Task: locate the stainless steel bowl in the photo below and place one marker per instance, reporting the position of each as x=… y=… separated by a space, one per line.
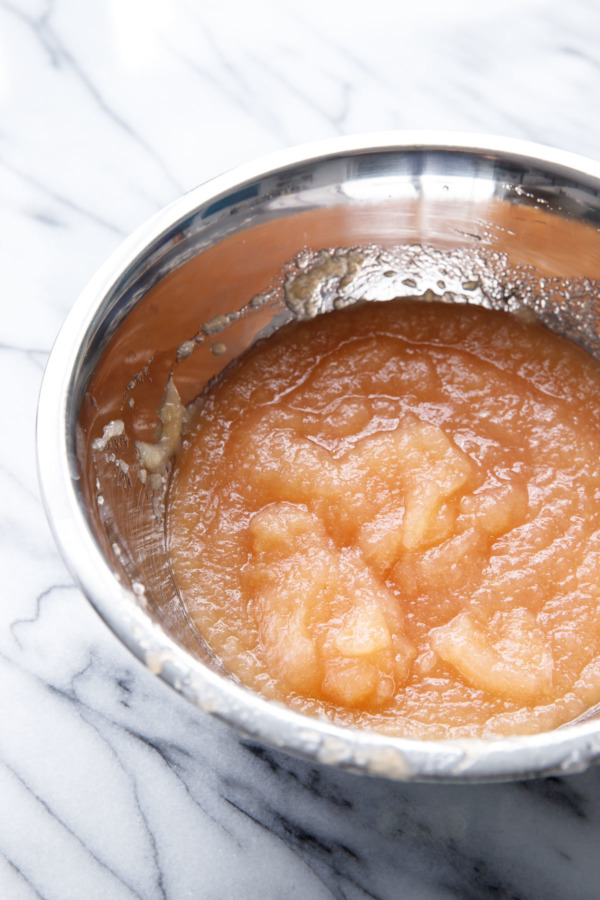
x=501 y=223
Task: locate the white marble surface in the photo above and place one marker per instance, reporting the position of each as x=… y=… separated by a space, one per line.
x=111 y=786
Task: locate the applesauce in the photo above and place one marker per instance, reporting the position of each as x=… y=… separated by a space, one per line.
x=388 y=516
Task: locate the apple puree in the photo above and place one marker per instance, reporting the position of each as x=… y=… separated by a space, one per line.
x=389 y=516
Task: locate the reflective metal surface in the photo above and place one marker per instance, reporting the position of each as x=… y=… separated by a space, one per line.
x=507 y=225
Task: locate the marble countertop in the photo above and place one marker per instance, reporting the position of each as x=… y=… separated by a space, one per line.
x=112 y=786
